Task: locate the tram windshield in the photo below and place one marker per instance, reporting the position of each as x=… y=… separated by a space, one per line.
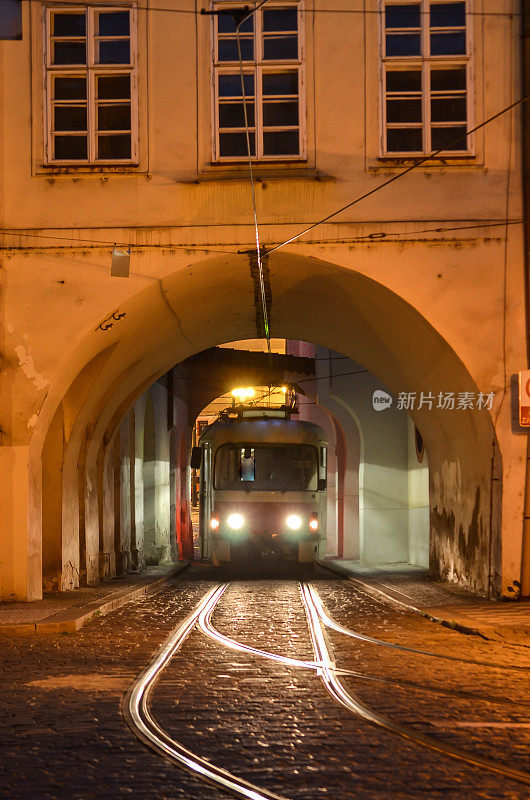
x=266 y=467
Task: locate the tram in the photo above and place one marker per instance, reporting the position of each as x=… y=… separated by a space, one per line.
x=262 y=486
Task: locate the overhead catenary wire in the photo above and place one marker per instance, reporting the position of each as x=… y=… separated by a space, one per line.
x=310 y=10
x=312 y=226
x=400 y=175
x=214 y=248
x=251 y=178
x=377 y=235
x=95 y=244
x=300 y=380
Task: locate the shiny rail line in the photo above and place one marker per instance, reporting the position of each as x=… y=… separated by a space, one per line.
x=317 y=622
x=325 y=667
x=208 y=628
x=363 y=589
x=145 y=727
x=336 y=626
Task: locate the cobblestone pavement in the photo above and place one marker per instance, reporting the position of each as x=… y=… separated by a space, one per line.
x=62 y=734
x=57 y=602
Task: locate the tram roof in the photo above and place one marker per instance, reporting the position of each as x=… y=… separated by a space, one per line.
x=256 y=430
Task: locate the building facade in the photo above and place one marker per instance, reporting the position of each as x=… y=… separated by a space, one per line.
x=124 y=126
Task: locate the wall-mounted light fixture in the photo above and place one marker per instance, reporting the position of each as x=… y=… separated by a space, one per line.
x=121 y=260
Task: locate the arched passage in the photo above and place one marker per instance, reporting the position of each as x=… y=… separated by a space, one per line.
x=213 y=302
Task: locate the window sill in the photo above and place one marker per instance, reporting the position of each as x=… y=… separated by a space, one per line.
x=260 y=173
x=439 y=162
x=88 y=169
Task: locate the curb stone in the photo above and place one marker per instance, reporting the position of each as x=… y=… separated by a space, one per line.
x=487 y=633
x=72 y=619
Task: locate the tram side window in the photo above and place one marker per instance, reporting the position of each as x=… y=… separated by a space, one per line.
x=226 y=474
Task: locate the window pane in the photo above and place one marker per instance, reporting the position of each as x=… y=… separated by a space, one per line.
x=270 y=467
x=403 y=16
x=228 y=51
x=280 y=48
x=281 y=143
x=70 y=147
x=69 y=88
x=448 y=15
x=406 y=81
x=114 y=23
x=404 y=141
x=280 y=113
x=235 y=144
x=403 y=110
x=231 y=115
x=448 y=109
x=248 y=465
x=444 y=138
x=230 y=85
x=69 y=25
x=11 y=20
x=113 y=87
x=114 y=52
x=280 y=83
x=114 y=147
x=403 y=44
x=280 y=19
x=447 y=44
x=114 y=118
x=69 y=53
x=227 y=24
x=70 y=118
x=444 y=79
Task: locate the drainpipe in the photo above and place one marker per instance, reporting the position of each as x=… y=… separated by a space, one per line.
x=525 y=55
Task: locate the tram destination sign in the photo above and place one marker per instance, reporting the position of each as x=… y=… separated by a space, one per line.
x=524 y=398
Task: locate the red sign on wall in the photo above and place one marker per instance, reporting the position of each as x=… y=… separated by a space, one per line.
x=524 y=399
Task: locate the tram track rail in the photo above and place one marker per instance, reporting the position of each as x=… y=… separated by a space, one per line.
x=332 y=623
x=136 y=705
x=206 y=625
x=139 y=718
x=346 y=698
x=387 y=598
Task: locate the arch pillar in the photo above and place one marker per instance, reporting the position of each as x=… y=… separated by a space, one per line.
x=137 y=544
x=54 y=571
x=21 y=514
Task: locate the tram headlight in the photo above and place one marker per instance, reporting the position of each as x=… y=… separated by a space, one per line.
x=214 y=523
x=235 y=521
x=313 y=524
x=293 y=522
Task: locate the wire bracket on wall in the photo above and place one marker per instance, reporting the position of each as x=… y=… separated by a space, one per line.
x=240 y=15
x=259 y=272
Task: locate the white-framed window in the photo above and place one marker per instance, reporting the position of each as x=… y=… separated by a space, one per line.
x=273 y=65
x=426 y=76
x=91 y=85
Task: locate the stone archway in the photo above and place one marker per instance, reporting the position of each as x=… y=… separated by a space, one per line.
x=213 y=302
